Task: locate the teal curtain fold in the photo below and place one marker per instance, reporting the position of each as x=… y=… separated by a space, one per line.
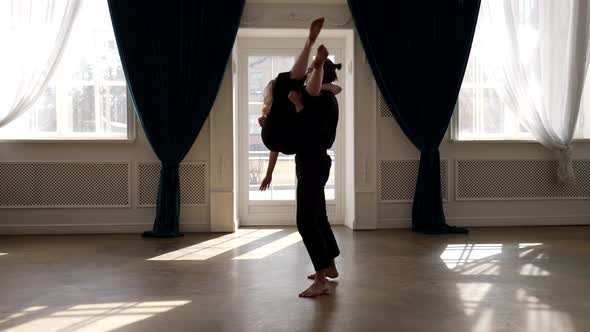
x=174 y=55
x=418 y=52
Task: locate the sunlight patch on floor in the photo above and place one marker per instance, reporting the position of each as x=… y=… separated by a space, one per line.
x=485 y=321
x=533 y=271
x=458 y=255
x=541 y=317
x=271 y=248
x=486 y=268
x=528 y=245
x=101 y=317
x=216 y=246
x=21 y=314
x=472 y=294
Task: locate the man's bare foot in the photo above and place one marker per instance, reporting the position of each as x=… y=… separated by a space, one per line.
x=318 y=288
x=331 y=273
x=315 y=28
x=321 y=56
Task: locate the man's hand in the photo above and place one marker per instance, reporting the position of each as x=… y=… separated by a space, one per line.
x=335 y=89
x=295 y=98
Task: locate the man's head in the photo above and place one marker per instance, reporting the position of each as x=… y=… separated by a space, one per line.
x=330 y=71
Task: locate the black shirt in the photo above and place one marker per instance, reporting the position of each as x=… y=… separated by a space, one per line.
x=318 y=122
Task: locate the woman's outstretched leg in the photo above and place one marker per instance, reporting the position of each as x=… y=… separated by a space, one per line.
x=299 y=69
x=314 y=83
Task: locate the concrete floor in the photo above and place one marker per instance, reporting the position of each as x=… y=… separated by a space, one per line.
x=495 y=279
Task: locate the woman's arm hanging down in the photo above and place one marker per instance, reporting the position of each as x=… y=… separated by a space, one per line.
x=272 y=161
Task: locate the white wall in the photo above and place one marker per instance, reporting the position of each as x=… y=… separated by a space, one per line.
x=393 y=145
x=86 y=220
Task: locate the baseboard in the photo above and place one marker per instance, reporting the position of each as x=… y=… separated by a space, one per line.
x=285 y=222
x=495 y=221
x=33 y=229
x=38 y=229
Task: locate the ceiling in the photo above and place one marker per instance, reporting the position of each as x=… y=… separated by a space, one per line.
x=299 y=2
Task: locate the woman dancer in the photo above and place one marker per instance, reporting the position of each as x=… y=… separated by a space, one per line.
x=279 y=129
x=272 y=160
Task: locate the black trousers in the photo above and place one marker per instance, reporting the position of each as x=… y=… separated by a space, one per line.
x=313 y=170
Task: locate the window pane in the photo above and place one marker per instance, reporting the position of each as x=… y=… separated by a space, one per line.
x=493 y=112
x=257 y=163
x=81 y=101
x=113 y=108
x=283 y=185
x=44 y=111
x=283 y=179
x=584 y=117
x=466 y=112
x=111 y=64
x=481 y=111
x=469 y=76
x=78 y=66
x=262 y=69
x=254 y=112
x=330 y=189
x=259 y=74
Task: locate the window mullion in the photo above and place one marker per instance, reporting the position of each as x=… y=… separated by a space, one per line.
x=479 y=116
x=96 y=82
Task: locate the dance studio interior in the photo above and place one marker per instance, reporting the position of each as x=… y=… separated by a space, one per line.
x=295 y=165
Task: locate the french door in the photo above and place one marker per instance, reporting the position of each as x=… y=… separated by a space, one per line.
x=261 y=60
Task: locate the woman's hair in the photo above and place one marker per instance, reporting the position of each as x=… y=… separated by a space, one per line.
x=267 y=98
x=330 y=71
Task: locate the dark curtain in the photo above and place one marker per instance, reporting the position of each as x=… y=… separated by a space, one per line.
x=418 y=51
x=174 y=55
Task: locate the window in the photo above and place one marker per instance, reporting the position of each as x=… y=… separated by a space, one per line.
x=481 y=113
x=87 y=96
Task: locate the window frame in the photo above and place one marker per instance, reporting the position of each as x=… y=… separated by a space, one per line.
x=86 y=138
x=497 y=138
x=62 y=115
x=454 y=135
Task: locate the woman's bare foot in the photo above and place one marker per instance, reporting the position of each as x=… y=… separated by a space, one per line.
x=320 y=57
x=331 y=272
x=315 y=28
x=316 y=289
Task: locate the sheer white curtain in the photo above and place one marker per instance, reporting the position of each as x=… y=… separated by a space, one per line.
x=544 y=47
x=33 y=35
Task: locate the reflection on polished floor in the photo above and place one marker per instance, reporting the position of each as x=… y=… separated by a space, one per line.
x=495 y=279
